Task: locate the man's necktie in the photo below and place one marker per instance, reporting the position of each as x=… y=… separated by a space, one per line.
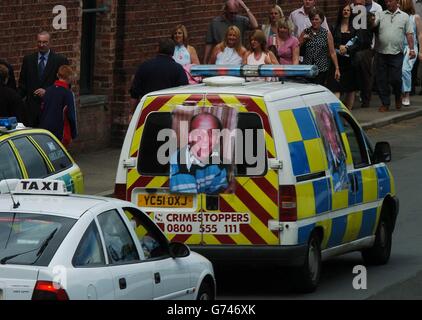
x=41 y=66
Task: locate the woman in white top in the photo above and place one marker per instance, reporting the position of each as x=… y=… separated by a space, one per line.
x=184 y=54
x=259 y=54
x=230 y=51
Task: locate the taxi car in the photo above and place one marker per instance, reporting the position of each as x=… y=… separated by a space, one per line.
x=309 y=186
x=60 y=246
x=36 y=153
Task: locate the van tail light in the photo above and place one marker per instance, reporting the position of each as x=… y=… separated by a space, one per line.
x=120 y=191
x=288 y=204
x=48 y=290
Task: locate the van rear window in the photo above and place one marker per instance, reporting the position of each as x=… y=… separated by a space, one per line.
x=253 y=160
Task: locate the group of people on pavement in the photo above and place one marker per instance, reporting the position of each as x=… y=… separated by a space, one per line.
x=368 y=38
x=371 y=46
x=42 y=98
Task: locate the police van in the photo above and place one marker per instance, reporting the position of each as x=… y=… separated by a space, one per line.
x=305 y=183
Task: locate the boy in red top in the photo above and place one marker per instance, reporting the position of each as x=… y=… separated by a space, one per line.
x=58 y=112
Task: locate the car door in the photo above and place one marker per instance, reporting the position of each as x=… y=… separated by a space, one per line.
x=90 y=277
x=9 y=166
x=171 y=276
x=34 y=165
x=132 y=276
x=63 y=166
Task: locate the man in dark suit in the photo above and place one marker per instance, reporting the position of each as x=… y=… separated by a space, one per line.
x=158 y=73
x=38 y=72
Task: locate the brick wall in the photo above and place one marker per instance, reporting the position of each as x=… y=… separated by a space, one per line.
x=126 y=35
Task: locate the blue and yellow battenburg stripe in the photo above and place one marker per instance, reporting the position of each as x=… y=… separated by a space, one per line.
x=317 y=198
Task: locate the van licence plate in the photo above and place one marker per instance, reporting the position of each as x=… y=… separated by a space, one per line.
x=165 y=200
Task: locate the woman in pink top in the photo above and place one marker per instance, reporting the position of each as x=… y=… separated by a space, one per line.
x=287 y=45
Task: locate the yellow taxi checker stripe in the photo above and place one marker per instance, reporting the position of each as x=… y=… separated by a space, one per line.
x=316 y=157
x=305 y=200
x=256 y=224
x=20 y=161
x=326 y=227
x=264 y=200
x=157 y=182
x=354 y=223
x=370 y=185
x=290 y=126
x=44 y=156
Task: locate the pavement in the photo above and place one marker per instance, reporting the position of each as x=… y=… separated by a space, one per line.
x=99 y=167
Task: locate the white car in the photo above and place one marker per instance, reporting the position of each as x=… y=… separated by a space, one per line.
x=56 y=245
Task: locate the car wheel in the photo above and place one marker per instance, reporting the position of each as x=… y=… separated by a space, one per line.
x=380 y=252
x=205 y=292
x=306 y=278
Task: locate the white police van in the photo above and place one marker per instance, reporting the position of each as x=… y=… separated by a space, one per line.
x=60 y=246
x=311 y=185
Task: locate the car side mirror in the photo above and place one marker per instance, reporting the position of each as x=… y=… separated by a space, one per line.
x=382 y=152
x=178 y=250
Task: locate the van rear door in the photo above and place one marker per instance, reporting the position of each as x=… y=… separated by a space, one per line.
x=245 y=215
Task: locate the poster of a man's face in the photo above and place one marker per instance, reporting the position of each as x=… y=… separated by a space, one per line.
x=204 y=160
x=333 y=146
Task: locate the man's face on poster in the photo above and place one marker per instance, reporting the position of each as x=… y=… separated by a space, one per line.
x=204 y=135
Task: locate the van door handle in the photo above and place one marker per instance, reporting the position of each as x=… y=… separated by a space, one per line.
x=352 y=180
x=122 y=283
x=356 y=183
x=157 y=277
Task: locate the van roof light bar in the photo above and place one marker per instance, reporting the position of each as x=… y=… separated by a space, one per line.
x=265 y=70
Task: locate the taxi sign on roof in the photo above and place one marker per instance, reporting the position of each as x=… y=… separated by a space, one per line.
x=41 y=186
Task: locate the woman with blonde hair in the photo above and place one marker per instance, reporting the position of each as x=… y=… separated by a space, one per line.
x=230 y=50
x=270 y=28
x=408 y=64
x=287 y=45
x=184 y=53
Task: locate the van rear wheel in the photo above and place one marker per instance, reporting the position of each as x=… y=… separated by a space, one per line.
x=379 y=254
x=306 y=277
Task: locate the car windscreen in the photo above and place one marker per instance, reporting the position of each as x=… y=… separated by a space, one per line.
x=31 y=239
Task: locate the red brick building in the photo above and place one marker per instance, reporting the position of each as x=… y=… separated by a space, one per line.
x=106 y=40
